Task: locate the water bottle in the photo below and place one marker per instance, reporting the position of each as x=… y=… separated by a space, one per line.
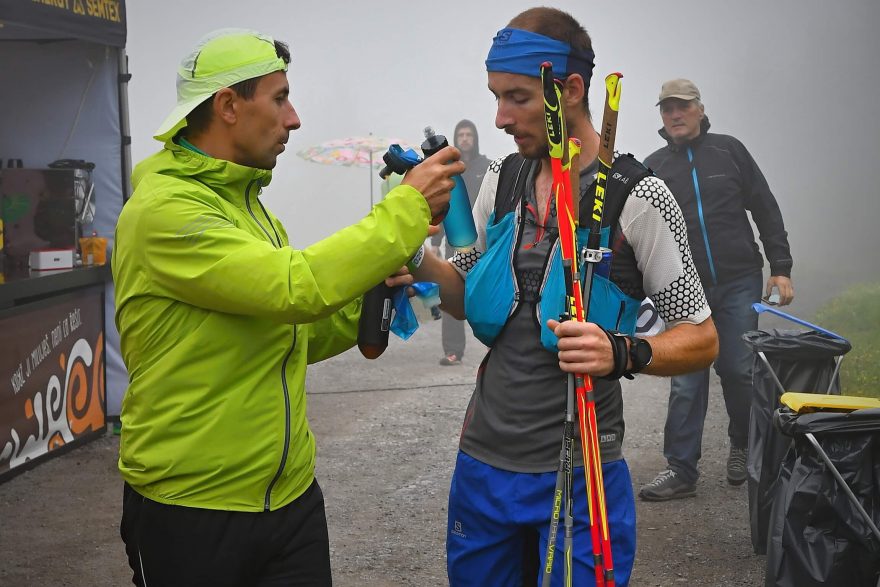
x=461 y=233
x=427 y=308
x=375 y=321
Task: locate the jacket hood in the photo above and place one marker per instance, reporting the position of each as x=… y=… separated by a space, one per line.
x=228 y=179
x=704 y=128
x=463 y=124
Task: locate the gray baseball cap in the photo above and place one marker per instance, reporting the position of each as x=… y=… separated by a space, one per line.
x=683 y=89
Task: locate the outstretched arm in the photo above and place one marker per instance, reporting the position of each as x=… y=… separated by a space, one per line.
x=435 y=269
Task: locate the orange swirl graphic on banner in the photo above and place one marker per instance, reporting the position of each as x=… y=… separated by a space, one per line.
x=85 y=403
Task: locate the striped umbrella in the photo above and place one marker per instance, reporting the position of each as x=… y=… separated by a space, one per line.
x=353 y=152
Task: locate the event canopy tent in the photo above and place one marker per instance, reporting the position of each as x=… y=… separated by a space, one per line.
x=63 y=87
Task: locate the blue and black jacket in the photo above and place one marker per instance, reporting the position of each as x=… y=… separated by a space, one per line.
x=716 y=181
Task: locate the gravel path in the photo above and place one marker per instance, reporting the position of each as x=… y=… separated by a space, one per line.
x=387 y=433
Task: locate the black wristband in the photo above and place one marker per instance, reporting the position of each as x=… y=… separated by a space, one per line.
x=640 y=354
x=621 y=355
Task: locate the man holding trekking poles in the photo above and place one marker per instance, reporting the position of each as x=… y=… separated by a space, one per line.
x=502 y=491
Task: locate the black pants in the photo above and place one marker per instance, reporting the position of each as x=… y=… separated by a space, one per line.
x=172 y=545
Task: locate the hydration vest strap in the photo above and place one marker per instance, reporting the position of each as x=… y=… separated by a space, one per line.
x=626 y=173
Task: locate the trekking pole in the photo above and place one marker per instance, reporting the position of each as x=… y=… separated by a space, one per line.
x=592 y=256
x=561 y=186
x=562 y=494
x=575 y=309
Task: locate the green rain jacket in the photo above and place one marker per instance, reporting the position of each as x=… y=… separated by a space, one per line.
x=218 y=317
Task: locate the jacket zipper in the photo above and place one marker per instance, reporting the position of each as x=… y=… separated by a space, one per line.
x=266 y=502
x=247 y=203
x=286 y=450
x=700 y=213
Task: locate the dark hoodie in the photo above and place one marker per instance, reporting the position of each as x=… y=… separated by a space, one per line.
x=715 y=181
x=473 y=175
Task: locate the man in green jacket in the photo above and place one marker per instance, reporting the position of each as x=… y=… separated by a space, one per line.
x=219 y=317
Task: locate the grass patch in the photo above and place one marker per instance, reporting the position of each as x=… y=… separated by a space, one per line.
x=855 y=314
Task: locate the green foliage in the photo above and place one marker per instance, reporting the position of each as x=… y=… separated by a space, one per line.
x=855 y=314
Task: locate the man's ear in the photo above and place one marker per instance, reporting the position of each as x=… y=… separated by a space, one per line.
x=573 y=90
x=224 y=105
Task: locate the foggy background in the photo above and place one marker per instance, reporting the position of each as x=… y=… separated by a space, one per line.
x=796 y=81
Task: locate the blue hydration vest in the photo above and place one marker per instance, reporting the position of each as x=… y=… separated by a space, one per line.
x=492 y=293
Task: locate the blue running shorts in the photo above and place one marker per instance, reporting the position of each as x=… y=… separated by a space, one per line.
x=492 y=510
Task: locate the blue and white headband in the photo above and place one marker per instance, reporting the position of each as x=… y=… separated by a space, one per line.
x=522 y=52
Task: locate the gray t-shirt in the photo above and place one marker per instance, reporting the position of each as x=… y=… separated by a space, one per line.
x=515 y=416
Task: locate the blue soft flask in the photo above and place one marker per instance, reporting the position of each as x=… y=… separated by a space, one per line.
x=461 y=233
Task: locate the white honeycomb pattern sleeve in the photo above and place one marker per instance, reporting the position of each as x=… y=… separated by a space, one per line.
x=464 y=261
x=653 y=225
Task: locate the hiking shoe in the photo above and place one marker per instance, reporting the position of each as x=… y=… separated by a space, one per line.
x=450 y=360
x=736 y=465
x=667 y=485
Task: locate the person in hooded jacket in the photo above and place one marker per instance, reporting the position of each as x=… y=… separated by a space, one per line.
x=716 y=183
x=467 y=140
x=218 y=318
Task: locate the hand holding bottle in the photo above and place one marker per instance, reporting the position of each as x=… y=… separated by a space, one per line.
x=433 y=177
x=377 y=313
x=461 y=234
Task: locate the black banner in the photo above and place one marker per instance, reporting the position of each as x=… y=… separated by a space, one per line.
x=100 y=21
x=51 y=376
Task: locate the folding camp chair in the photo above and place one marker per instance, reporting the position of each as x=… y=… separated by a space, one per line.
x=784 y=360
x=761 y=308
x=821 y=532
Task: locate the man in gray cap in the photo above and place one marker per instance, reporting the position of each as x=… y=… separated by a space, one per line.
x=716 y=181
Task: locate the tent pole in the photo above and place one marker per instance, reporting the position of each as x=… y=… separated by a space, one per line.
x=124 y=128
